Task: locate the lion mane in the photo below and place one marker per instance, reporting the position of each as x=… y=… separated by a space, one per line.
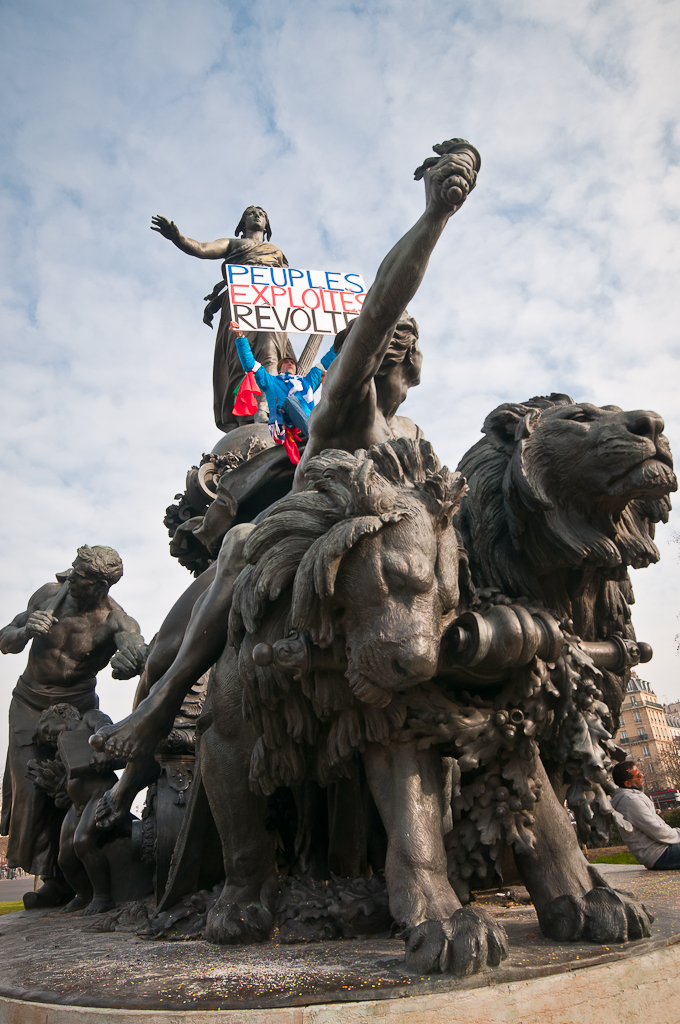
x=312 y=725
x=551 y=547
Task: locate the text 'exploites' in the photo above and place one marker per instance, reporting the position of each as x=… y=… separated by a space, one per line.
x=298 y=301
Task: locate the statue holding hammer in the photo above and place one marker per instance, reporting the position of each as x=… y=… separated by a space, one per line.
x=75 y=628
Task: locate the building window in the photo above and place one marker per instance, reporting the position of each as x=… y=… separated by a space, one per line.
x=645 y=750
x=633 y=698
x=637 y=716
x=624 y=734
x=641 y=732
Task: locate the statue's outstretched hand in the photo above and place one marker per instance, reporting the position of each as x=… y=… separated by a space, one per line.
x=167 y=228
x=39 y=623
x=450 y=178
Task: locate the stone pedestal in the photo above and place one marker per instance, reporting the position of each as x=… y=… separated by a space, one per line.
x=55 y=970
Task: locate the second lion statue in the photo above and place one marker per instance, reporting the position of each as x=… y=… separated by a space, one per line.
x=563 y=497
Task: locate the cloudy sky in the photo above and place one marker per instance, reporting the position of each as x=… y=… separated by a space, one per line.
x=560 y=273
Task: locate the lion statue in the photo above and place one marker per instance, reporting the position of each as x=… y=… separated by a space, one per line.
x=366 y=563
x=562 y=499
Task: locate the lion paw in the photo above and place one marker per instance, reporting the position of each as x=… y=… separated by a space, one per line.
x=466 y=943
x=237 y=924
x=602 y=915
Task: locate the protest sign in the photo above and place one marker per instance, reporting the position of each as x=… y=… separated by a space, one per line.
x=297 y=301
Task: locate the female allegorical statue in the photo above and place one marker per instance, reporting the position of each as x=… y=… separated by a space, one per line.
x=269 y=348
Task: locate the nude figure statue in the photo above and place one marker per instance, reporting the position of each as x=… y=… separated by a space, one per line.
x=75 y=628
x=82 y=860
x=379 y=361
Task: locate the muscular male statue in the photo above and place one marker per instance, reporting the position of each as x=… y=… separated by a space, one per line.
x=250 y=247
x=363 y=389
x=75 y=629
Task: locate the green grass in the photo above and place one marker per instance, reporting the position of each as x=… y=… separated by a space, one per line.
x=616 y=858
x=10 y=908
x=672 y=818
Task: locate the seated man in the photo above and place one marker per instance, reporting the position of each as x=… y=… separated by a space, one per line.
x=651 y=841
x=290 y=397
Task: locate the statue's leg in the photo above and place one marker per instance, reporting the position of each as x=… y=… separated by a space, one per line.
x=6 y=797
x=116 y=804
x=245 y=909
x=86 y=846
x=311 y=840
x=72 y=867
x=171 y=634
x=269 y=347
x=407 y=787
x=138 y=735
x=218 y=519
x=572 y=900
x=227 y=371
x=347 y=846
x=35 y=821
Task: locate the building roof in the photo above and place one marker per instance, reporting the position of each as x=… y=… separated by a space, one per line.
x=637 y=684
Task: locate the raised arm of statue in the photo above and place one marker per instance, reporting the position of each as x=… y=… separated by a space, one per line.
x=216 y=250
x=447 y=184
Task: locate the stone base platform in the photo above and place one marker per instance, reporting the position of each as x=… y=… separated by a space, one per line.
x=53 y=970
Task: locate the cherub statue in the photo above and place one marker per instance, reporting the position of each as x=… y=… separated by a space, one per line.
x=76 y=779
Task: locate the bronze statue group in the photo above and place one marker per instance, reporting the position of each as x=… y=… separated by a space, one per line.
x=410 y=669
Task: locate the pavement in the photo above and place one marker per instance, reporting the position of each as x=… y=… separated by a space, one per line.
x=48 y=956
x=12 y=889
x=613 y=869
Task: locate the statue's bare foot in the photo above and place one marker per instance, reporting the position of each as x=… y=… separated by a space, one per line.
x=52 y=893
x=601 y=915
x=137 y=735
x=113 y=808
x=241 y=916
x=99 y=905
x=77 y=903
x=466 y=943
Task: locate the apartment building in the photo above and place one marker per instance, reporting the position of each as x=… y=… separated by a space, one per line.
x=673 y=721
x=646 y=732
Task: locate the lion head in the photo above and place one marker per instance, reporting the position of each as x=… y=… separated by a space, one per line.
x=366 y=563
x=563 y=497
x=370 y=555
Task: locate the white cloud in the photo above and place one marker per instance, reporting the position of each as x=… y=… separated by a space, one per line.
x=559 y=274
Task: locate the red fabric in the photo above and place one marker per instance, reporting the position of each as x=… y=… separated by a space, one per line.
x=246 y=397
x=291 y=438
x=293 y=435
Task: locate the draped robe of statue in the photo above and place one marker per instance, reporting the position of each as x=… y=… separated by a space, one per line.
x=268 y=346
x=29 y=816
